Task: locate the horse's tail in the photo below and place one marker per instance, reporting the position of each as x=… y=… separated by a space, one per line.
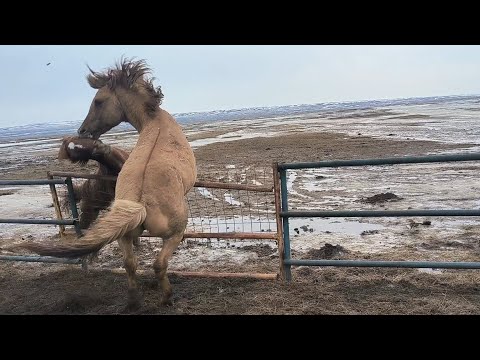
x=123 y=216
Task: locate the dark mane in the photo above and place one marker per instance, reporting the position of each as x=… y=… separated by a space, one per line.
x=127 y=73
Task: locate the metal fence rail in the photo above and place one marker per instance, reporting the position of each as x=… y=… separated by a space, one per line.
x=32 y=182
x=52 y=182
x=285 y=214
x=61 y=222
x=44 y=259
x=37 y=221
x=384 y=161
x=379 y=213
x=396 y=264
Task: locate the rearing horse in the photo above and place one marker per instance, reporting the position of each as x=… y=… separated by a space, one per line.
x=151 y=187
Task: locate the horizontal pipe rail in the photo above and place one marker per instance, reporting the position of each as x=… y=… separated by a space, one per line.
x=37 y=221
x=81 y=175
x=207 y=184
x=378 y=213
x=32 y=182
x=207 y=274
x=384 y=161
x=230 y=235
x=260 y=235
x=397 y=264
x=45 y=259
x=219 y=185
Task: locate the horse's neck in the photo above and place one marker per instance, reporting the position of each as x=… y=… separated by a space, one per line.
x=105 y=170
x=113 y=160
x=163 y=122
x=133 y=108
x=138 y=117
x=144 y=123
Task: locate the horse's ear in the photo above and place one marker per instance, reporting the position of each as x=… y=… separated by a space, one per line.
x=97 y=80
x=63 y=153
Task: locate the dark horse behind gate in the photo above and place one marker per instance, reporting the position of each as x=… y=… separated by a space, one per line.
x=93 y=195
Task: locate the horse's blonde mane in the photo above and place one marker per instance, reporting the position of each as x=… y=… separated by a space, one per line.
x=128 y=73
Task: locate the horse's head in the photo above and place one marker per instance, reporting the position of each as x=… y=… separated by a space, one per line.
x=121 y=92
x=105 y=113
x=80 y=150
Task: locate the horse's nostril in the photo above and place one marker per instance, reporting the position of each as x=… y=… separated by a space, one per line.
x=84 y=133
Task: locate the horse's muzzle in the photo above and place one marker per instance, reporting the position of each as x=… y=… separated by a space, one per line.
x=83 y=134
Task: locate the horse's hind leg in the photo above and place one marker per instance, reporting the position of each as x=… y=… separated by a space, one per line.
x=130 y=264
x=136 y=241
x=161 y=263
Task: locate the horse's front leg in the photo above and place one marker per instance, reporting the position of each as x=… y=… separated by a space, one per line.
x=130 y=263
x=108 y=156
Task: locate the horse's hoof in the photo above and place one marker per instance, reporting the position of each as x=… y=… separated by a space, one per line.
x=167 y=302
x=132 y=306
x=150 y=284
x=134 y=300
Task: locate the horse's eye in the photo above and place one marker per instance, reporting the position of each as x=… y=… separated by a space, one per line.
x=98 y=102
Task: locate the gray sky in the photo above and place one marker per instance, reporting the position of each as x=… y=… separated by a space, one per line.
x=203 y=78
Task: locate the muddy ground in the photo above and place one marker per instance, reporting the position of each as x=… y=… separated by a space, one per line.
x=56 y=290
x=31 y=288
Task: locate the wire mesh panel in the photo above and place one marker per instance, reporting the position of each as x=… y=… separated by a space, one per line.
x=218 y=210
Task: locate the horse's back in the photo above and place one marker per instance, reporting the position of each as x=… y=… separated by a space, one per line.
x=161 y=162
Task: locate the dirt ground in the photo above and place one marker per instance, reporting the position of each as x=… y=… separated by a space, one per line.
x=313 y=291
x=32 y=288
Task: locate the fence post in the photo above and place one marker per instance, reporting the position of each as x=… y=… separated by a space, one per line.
x=56 y=205
x=278 y=218
x=286 y=229
x=73 y=205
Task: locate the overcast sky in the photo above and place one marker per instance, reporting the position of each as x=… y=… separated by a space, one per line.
x=214 y=77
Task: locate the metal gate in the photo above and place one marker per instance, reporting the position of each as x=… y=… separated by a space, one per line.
x=285 y=214
x=59 y=221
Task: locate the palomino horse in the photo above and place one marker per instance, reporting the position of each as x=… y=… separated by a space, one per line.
x=94 y=195
x=151 y=187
